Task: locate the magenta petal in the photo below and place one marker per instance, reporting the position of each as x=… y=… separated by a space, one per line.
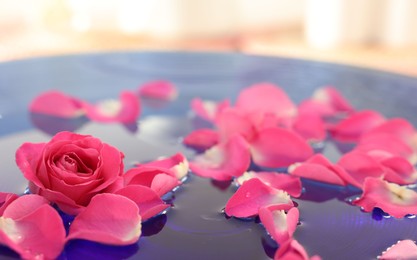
x=360 y=166
x=278 y=224
x=108 y=219
x=266 y=98
x=208 y=110
x=333 y=98
x=404 y=249
x=311 y=127
x=163 y=90
x=351 y=128
x=402 y=171
x=319 y=168
x=125 y=110
x=5 y=200
x=55 y=103
x=202 y=139
x=395 y=200
x=252 y=195
x=232 y=121
x=27 y=159
x=281 y=181
x=292 y=250
x=32 y=228
x=223 y=161
x=177 y=163
x=278 y=147
x=148 y=201
x=395 y=126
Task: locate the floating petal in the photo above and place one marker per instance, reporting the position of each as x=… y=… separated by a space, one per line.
x=177 y=163
x=278 y=224
x=404 y=249
x=202 y=139
x=55 y=103
x=163 y=90
x=292 y=250
x=208 y=110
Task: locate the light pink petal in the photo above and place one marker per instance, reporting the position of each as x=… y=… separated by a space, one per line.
x=395 y=126
x=202 y=139
x=163 y=90
x=278 y=224
x=208 y=110
x=252 y=195
x=316 y=108
x=281 y=181
x=386 y=142
x=108 y=219
x=403 y=172
x=395 y=200
x=148 y=201
x=223 y=161
x=36 y=232
x=266 y=98
x=404 y=249
x=55 y=103
x=125 y=110
x=232 y=121
x=311 y=127
x=333 y=98
x=319 y=168
x=278 y=147
x=292 y=250
x=177 y=163
x=359 y=166
x=351 y=128
x=161 y=180
x=5 y=200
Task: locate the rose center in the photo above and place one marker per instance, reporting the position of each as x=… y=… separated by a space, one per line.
x=68 y=163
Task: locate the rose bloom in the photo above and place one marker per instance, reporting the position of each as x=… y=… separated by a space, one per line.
x=71 y=169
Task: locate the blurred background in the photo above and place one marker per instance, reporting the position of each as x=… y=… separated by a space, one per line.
x=380 y=34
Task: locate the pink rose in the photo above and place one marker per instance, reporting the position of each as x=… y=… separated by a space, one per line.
x=71 y=169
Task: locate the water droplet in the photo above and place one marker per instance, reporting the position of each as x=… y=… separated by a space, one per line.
x=27 y=191
x=410 y=216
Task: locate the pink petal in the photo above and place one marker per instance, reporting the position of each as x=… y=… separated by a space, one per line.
x=359 y=166
x=125 y=110
x=232 y=121
x=278 y=147
x=311 y=127
x=333 y=98
x=223 y=161
x=278 y=224
x=32 y=228
x=252 y=195
x=55 y=103
x=208 y=110
x=395 y=200
x=319 y=168
x=404 y=249
x=292 y=250
x=160 y=180
x=109 y=219
x=5 y=200
x=395 y=126
x=177 y=163
x=202 y=139
x=148 y=201
x=281 y=181
x=314 y=107
x=266 y=98
x=403 y=172
x=27 y=158
x=351 y=128
x=163 y=90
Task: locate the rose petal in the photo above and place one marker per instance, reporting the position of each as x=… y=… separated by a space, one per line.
x=359 y=166
x=163 y=90
x=281 y=181
x=252 y=195
x=404 y=249
x=278 y=147
x=232 y=121
x=292 y=250
x=109 y=219
x=280 y=225
x=403 y=172
x=27 y=157
x=32 y=228
x=395 y=126
x=311 y=127
x=351 y=128
x=319 y=168
x=125 y=110
x=202 y=139
x=160 y=180
x=57 y=104
x=332 y=98
x=395 y=200
x=223 y=161
x=208 y=110
x=177 y=163
x=147 y=200
x=266 y=98
x=5 y=200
